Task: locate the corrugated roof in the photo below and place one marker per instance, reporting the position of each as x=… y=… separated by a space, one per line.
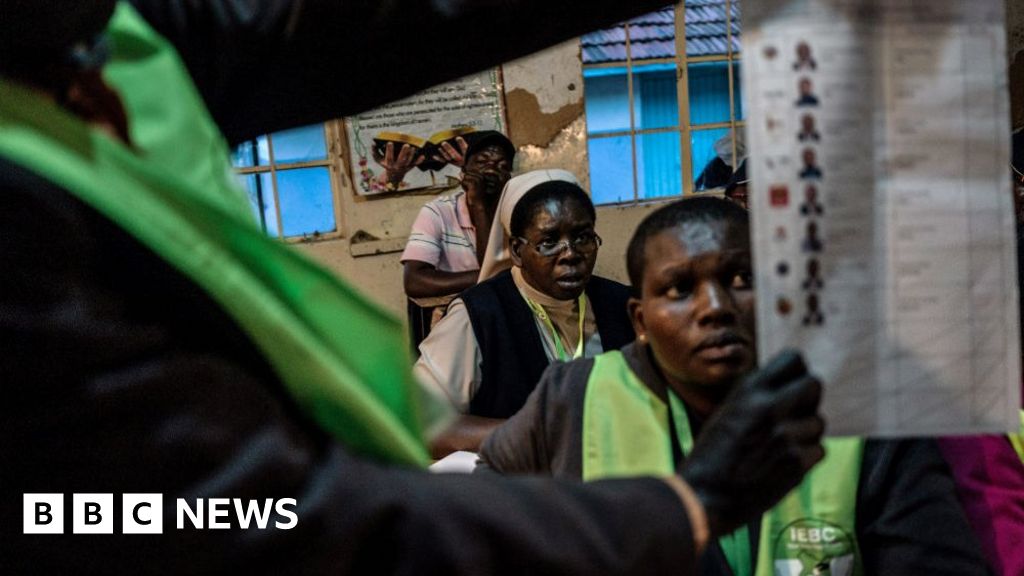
x=653 y=35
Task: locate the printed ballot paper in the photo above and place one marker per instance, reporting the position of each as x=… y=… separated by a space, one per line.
x=883 y=224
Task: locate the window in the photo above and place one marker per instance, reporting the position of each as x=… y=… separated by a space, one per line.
x=289 y=180
x=663 y=102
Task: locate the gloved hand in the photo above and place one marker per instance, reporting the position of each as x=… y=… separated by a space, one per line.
x=758 y=445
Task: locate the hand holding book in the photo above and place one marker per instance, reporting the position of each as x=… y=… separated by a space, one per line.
x=396 y=166
x=449 y=154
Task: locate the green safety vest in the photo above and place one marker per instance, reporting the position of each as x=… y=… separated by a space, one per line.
x=342 y=358
x=810 y=531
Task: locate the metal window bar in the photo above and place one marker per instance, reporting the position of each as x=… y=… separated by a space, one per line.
x=273 y=180
x=685 y=128
x=273 y=167
x=632 y=111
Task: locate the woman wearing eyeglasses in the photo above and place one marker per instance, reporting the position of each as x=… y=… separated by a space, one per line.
x=538 y=302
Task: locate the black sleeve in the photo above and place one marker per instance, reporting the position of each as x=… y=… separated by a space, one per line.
x=544 y=437
x=119 y=376
x=266 y=65
x=908 y=517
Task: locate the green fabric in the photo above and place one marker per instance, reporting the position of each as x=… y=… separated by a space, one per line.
x=1018 y=439
x=342 y=358
x=626 y=433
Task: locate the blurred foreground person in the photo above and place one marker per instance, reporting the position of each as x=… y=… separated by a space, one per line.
x=155 y=341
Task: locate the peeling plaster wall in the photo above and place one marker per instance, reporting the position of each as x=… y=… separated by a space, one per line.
x=544 y=105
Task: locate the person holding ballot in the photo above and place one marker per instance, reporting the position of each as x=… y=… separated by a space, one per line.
x=157 y=342
x=869 y=507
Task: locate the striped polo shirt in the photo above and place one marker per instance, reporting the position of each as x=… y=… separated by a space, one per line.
x=443 y=235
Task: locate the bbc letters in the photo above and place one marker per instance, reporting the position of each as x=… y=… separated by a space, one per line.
x=45 y=513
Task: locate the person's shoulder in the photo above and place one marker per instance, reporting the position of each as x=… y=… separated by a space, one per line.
x=488 y=303
x=563 y=385
x=456 y=309
x=488 y=286
x=444 y=206
x=446 y=201
x=573 y=369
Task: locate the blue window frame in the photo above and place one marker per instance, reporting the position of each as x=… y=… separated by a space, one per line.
x=288 y=179
x=662 y=97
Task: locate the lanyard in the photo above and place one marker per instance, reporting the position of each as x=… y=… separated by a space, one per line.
x=735 y=546
x=539 y=311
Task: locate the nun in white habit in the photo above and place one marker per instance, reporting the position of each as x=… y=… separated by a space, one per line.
x=451 y=361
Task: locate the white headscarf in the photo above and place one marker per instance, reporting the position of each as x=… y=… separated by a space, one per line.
x=497 y=258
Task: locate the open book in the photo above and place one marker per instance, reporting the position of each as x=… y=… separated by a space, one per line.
x=428 y=148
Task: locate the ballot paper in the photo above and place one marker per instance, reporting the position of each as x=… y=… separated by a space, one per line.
x=883 y=227
x=459 y=462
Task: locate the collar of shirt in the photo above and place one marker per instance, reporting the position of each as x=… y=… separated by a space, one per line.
x=564 y=314
x=462 y=214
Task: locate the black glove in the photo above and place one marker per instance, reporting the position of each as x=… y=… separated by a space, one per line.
x=758 y=445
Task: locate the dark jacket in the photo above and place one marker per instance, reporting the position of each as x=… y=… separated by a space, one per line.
x=512 y=354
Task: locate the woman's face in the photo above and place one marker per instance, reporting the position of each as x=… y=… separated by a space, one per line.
x=697 y=304
x=565 y=274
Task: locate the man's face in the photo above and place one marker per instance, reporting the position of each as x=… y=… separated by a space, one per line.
x=489 y=169
x=564 y=275
x=805 y=87
x=807 y=122
x=696 y=309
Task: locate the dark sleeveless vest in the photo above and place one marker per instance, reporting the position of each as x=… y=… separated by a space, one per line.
x=511 y=349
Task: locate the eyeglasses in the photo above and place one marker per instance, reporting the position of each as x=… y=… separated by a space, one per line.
x=584 y=244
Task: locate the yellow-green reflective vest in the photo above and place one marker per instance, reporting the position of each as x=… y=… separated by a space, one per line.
x=342 y=358
x=810 y=531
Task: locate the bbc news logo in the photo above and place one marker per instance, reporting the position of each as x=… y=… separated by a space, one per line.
x=143 y=513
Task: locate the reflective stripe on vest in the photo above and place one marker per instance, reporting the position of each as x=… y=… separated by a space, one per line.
x=342 y=358
x=626 y=433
